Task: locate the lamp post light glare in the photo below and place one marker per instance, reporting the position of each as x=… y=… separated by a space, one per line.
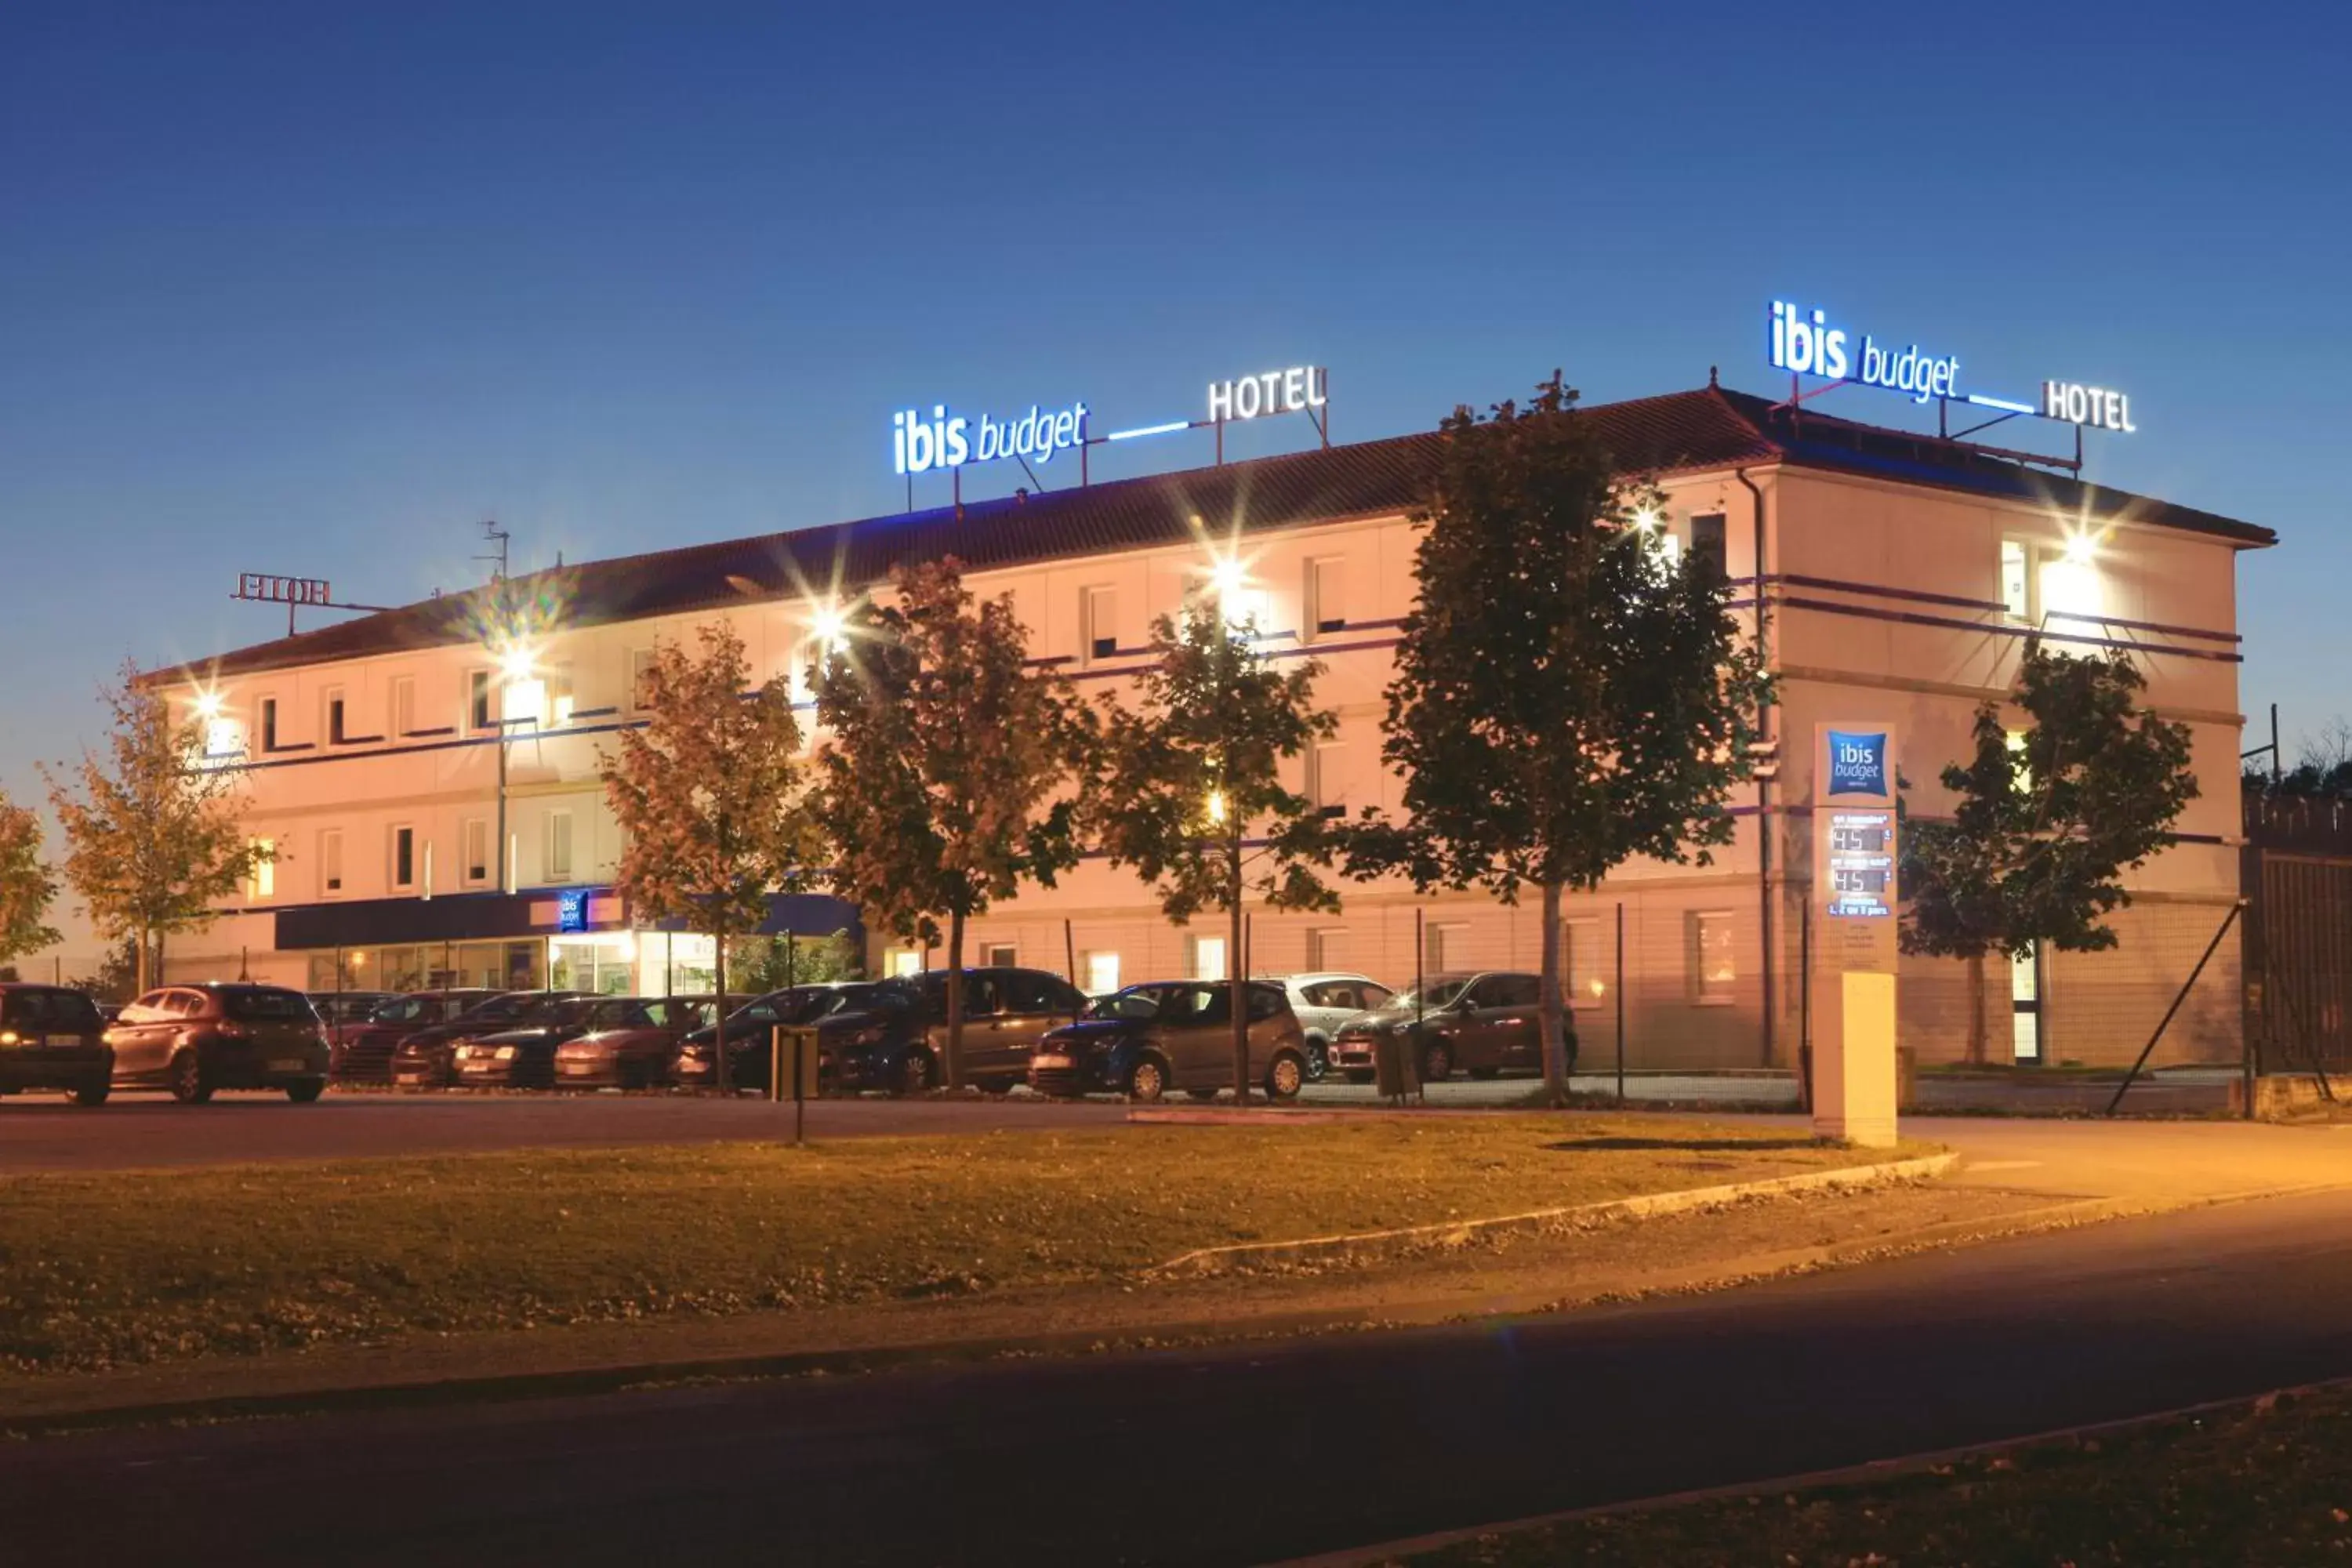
x=2081 y=549
x=1217 y=806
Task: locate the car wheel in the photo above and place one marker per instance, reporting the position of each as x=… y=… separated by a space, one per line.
x=1285 y=1077
x=1436 y=1062
x=187 y=1080
x=1318 y=1060
x=1147 y=1080
x=1357 y=1075
x=305 y=1094
x=916 y=1074
x=93 y=1092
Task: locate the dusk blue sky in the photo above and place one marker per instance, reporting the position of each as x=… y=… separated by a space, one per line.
x=312 y=288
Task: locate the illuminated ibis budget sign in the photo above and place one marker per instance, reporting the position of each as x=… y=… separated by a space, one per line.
x=1808 y=341
x=947 y=441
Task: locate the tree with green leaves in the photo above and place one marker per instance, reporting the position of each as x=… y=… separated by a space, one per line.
x=950 y=766
x=153 y=834
x=27 y=886
x=1568 y=696
x=712 y=796
x=2048 y=820
x=1193 y=769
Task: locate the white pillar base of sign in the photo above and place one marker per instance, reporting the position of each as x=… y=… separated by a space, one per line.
x=1853 y=1058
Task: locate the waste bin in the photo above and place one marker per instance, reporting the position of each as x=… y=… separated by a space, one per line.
x=1396 y=1071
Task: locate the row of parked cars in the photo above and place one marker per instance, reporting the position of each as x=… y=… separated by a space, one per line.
x=1021 y=1026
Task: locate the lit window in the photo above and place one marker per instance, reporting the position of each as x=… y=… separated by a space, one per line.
x=263 y=883
x=1208 y=958
x=1714 y=967
x=1102 y=974
x=2016 y=579
x=904 y=961
x=559 y=695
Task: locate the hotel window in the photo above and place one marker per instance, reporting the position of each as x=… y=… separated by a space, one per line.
x=478 y=701
x=263 y=881
x=1706 y=542
x=1445 y=948
x=903 y=961
x=1326 y=607
x=404 y=706
x=558 y=867
x=478 y=851
x=559 y=701
x=1327 y=948
x=1714 y=968
x=1208 y=957
x=1099 y=623
x=2016 y=579
x=999 y=955
x=1327 y=777
x=404 y=857
x=1582 y=984
x=1102 y=974
x=333 y=723
x=641 y=679
x=330 y=862
x=268 y=724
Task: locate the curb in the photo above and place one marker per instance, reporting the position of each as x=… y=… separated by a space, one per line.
x=1864 y=1473
x=1214 y=1259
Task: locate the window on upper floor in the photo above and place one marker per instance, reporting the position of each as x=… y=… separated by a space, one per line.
x=1329 y=778
x=332 y=717
x=2017 y=596
x=404 y=706
x=1323 y=607
x=403 y=857
x=1097 y=624
x=267 y=724
x=1707 y=544
x=557 y=865
x=262 y=882
x=478 y=716
x=478 y=851
x=641 y=680
x=330 y=862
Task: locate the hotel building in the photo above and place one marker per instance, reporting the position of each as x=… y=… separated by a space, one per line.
x=437 y=816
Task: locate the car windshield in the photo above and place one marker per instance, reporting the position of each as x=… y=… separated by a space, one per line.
x=1135 y=1002
x=1441 y=994
x=267 y=1007
x=404 y=1010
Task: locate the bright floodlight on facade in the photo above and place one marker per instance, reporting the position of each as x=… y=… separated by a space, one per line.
x=515 y=662
x=1647 y=520
x=1228 y=576
x=208 y=706
x=2081 y=549
x=828 y=625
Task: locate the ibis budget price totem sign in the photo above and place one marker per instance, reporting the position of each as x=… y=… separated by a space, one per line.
x=1855 y=861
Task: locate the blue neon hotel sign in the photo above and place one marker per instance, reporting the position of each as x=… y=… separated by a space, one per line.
x=1805 y=343
x=1857 y=763
x=920 y=445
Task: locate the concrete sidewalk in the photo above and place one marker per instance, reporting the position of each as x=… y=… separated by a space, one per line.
x=2156 y=1163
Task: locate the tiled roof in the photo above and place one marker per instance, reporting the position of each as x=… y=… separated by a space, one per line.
x=1713 y=427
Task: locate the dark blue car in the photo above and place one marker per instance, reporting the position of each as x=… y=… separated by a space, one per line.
x=1174 y=1034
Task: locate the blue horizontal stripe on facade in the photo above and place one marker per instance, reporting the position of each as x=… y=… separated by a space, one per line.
x=499 y=917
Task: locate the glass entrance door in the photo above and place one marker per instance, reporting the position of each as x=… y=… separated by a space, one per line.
x=2025 y=1006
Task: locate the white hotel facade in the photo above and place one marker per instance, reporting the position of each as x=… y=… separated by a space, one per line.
x=437 y=816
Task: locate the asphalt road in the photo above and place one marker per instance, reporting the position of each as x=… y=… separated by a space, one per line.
x=1249 y=1454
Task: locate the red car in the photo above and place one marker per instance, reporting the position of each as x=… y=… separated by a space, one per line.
x=635 y=1051
x=361 y=1052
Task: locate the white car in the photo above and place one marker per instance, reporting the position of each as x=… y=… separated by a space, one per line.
x=1324 y=1001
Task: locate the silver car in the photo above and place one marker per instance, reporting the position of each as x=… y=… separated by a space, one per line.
x=1324 y=1000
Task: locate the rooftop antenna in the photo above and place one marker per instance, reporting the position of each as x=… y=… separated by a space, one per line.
x=498 y=536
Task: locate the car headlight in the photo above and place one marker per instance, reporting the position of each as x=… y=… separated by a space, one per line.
x=506 y=1053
